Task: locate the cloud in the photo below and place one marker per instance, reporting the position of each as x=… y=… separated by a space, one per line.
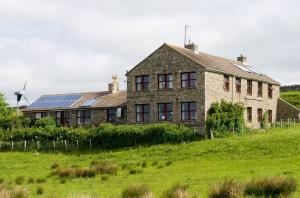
x=74 y=46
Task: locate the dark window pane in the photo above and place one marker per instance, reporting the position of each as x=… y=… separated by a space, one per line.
x=193 y=75
x=184 y=106
x=185 y=84
x=193 y=106
x=169 y=107
x=193 y=83
x=146 y=108
x=184 y=76
x=193 y=115
x=185 y=115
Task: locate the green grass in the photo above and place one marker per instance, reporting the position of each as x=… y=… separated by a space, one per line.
x=198 y=164
x=292 y=97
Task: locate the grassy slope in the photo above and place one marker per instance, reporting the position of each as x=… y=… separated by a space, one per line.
x=292 y=97
x=198 y=164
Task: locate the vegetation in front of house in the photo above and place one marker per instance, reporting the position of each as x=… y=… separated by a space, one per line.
x=104 y=136
x=200 y=165
x=225 y=117
x=292 y=97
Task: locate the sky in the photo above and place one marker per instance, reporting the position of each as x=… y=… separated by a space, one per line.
x=67 y=46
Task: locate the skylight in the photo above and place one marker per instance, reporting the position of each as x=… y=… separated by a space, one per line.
x=247 y=69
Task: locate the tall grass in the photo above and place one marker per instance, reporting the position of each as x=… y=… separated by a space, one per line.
x=176 y=191
x=136 y=191
x=229 y=188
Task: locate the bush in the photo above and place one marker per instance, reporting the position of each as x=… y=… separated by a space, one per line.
x=135 y=171
x=45 y=122
x=40 y=180
x=20 y=180
x=176 y=191
x=168 y=163
x=144 y=164
x=229 y=188
x=225 y=116
x=1 y=180
x=19 y=193
x=55 y=165
x=136 y=191
x=271 y=186
x=104 y=177
x=31 y=180
x=40 y=190
x=106 y=167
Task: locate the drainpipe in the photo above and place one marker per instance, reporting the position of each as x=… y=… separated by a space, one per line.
x=232 y=88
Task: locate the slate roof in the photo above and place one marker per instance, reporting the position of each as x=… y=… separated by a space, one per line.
x=218 y=64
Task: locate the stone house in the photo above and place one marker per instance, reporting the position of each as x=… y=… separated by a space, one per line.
x=173 y=84
x=178 y=85
x=82 y=109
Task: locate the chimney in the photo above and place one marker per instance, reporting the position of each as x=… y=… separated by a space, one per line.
x=192 y=46
x=242 y=59
x=113 y=87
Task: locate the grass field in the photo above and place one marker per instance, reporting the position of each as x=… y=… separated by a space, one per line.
x=197 y=164
x=292 y=97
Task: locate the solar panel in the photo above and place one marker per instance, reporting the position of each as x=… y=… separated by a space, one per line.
x=55 y=101
x=254 y=70
x=242 y=67
x=89 y=103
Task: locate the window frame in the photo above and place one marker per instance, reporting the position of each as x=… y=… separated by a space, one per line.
x=189 y=80
x=87 y=120
x=259 y=114
x=189 y=111
x=143 y=113
x=145 y=85
x=63 y=119
x=260 y=89
x=226 y=81
x=114 y=115
x=270 y=91
x=165 y=81
x=270 y=115
x=249 y=114
x=238 y=86
x=165 y=111
x=249 y=87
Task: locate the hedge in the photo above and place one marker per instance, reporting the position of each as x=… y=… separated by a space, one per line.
x=106 y=135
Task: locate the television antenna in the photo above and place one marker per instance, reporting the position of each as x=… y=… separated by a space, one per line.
x=185 y=33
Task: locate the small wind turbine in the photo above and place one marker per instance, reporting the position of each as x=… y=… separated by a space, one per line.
x=19 y=95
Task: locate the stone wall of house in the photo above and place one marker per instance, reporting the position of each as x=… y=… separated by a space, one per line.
x=165 y=61
x=214 y=92
x=287 y=111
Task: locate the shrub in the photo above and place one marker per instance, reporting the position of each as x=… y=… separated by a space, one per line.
x=45 y=122
x=176 y=191
x=229 y=188
x=62 y=180
x=104 y=177
x=66 y=172
x=20 y=180
x=271 y=186
x=40 y=190
x=135 y=171
x=31 y=180
x=55 y=165
x=1 y=180
x=40 y=180
x=19 y=193
x=154 y=163
x=160 y=166
x=144 y=164
x=225 y=116
x=106 y=167
x=168 y=163
x=136 y=191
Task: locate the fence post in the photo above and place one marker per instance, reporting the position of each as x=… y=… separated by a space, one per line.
x=66 y=145
x=288 y=122
x=38 y=145
x=294 y=121
x=25 y=145
x=12 y=145
x=0 y=146
x=280 y=122
x=90 y=144
x=211 y=134
x=54 y=145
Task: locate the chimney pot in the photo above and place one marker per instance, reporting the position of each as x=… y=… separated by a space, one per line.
x=192 y=46
x=242 y=59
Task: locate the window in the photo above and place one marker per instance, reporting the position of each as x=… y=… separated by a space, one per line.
x=226 y=83
x=84 y=117
x=249 y=114
x=111 y=115
x=165 y=111
x=188 y=111
x=165 y=81
x=39 y=115
x=249 y=87
x=142 y=113
x=238 y=85
x=270 y=91
x=188 y=79
x=270 y=117
x=63 y=118
x=259 y=115
x=259 y=89
x=142 y=82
